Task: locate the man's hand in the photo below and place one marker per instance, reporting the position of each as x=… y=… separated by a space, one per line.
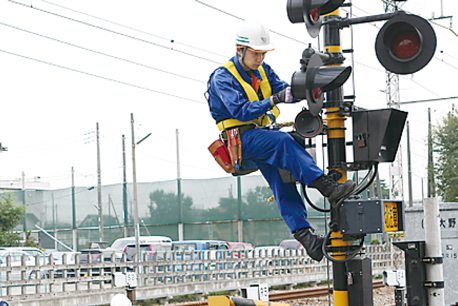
x=283 y=96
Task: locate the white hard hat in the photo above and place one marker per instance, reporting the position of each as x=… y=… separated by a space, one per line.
x=255 y=36
x=120 y=300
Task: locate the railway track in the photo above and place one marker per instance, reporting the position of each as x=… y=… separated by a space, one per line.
x=307 y=293
x=289 y=295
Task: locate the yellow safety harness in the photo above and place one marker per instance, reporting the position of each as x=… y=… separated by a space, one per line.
x=252 y=96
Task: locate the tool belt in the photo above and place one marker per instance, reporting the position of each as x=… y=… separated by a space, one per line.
x=241 y=128
x=221 y=154
x=230 y=157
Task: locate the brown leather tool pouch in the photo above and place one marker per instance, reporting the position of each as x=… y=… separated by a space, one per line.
x=221 y=154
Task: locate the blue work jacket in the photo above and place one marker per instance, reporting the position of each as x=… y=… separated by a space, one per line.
x=227 y=98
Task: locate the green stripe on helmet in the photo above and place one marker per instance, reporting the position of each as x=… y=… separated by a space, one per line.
x=242 y=39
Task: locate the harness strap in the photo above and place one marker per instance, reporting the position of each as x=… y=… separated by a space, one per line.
x=252 y=96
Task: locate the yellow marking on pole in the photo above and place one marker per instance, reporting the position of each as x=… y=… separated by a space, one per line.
x=340 y=298
x=333 y=49
x=338 y=241
x=336 y=123
x=222 y=300
x=219 y=301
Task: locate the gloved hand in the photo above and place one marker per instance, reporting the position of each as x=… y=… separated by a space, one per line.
x=283 y=96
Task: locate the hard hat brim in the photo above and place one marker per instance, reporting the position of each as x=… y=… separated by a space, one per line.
x=258 y=48
x=262 y=49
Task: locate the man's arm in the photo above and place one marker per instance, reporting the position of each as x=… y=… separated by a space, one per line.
x=233 y=103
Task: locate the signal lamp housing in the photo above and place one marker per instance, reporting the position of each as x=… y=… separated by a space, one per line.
x=316 y=80
x=405 y=44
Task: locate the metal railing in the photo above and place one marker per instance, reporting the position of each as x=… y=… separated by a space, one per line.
x=162 y=275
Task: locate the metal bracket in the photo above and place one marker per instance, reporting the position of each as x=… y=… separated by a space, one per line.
x=346 y=108
x=362 y=165
x=432 y=284
x=433 y=260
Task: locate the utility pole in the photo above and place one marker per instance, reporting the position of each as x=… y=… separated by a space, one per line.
x=24 y=222
x=180 y=204
x=124 y=188
x=99 y=186
x=409 y=166
x=54 y=221
x=74 y=231
x=134 y=172
x=239 y=210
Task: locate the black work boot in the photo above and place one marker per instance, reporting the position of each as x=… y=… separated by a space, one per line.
x=329 y=188
x=311 y=242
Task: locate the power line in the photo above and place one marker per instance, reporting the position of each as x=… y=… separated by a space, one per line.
x=101 y=77
x=101 y=53
x=131 y=28
x=424 y=87
x=155 y=44
x=239 y=18
x=114 y=32
x=428 y=100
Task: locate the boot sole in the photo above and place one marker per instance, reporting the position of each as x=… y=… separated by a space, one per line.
x=349 y=190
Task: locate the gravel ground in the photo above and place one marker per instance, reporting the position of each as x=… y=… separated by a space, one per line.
x=382 y=297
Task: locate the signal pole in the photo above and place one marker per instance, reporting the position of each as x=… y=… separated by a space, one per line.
x=404 y=45
x=336 y=155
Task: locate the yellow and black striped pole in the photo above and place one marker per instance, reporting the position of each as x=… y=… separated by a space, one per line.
x=223 y=300
x=336 y=155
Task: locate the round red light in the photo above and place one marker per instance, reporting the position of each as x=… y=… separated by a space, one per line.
x=316 y=93
x=405 y=44
x=315 y=14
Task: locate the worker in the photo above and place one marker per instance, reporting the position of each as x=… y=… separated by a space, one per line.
x=243 y=95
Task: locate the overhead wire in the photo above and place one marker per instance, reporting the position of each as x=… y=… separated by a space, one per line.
x=173 y=50
x=237 y=17
x=101 y=77
x=351 y=14
x=115 y=32
x=159 y=45
x=134 y=29
x=101 y=53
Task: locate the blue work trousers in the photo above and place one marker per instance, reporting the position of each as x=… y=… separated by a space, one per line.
x=270 y=150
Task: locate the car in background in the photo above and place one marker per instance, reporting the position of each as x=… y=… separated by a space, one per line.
x=211 y=249
x=150 y=249
x=157 y=251
x=97 y=256
x=200 y=245
x=208 y=249
x=244 y=248
x=291 y=244
x=120 y=244
x=240 y=246
x=57 y=259
x=31 y=251
x=16 y=261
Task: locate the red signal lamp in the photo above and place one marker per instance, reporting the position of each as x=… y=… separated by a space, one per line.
x=405 y=44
